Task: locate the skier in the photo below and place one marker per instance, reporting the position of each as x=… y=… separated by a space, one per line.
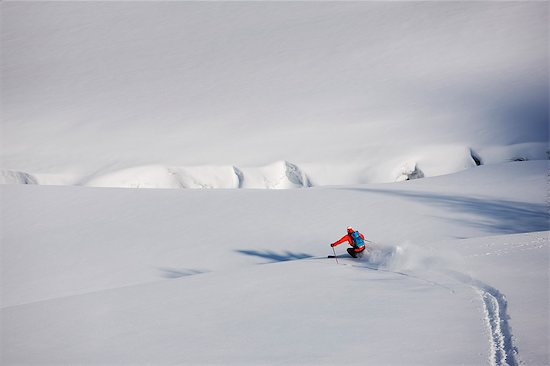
x=356 y=240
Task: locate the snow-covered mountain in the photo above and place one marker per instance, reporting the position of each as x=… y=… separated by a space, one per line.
x=349 y=92
x=352 y=101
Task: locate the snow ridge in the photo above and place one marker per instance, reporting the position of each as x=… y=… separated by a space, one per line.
x=409 y=171
x=278 y=175
x=13 y=177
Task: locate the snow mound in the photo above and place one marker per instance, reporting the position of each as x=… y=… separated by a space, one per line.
x=409 y=171
x=516 y=152
x=13 y=177
x=152 y=176
x=207 y=176
x=279 y=175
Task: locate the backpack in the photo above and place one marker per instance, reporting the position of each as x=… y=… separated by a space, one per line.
x=358 y=241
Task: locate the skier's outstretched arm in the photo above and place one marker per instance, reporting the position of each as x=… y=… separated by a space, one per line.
x=344 y=239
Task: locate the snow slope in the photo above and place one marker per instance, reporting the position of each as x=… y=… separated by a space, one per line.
x=349 y=92
x=118 y=276
x=514 y=269
x=340 y=98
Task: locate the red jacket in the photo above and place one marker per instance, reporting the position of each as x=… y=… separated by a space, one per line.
x=348 y=238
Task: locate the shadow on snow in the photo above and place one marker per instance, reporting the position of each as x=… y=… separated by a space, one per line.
x=179 y=272
x=495 y=216
x=274 y=256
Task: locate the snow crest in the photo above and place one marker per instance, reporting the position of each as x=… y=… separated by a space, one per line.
x=279 y=175
x=283 y=174
x=13 y=177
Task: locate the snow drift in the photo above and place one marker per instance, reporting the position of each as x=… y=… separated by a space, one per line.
x=426 y=162
x=11 y=177
x=278 y=175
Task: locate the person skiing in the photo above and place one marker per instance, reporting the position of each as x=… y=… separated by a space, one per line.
x=356 y=240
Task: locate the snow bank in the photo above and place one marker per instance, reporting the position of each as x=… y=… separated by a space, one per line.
x=11 y=177
x=420 y=163
x=138 y=177
x=279 y=175
x=516 y=152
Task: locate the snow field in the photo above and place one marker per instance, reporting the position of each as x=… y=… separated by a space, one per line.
x=340 y=97
x=212 y=280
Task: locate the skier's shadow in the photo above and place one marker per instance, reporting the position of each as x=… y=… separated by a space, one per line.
x=274 y=256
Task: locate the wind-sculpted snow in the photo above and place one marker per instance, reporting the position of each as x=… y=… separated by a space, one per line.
x=410 y=170
x=11 y=177
x=279 y=175
x=428 y=162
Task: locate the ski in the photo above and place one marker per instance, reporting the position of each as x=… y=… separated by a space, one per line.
x=332 y=256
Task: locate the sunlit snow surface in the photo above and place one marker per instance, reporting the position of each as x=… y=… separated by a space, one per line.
x=458 y=273
x=348 y=100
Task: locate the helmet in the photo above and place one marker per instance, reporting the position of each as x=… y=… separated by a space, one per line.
x=350 y=229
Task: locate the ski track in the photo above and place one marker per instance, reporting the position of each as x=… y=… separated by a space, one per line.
x=433 y=283
x=502 y=351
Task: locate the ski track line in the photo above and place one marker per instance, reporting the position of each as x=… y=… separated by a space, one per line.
x=433 y=283
x=106 y=289
x=503 y=352
x=364 y=266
